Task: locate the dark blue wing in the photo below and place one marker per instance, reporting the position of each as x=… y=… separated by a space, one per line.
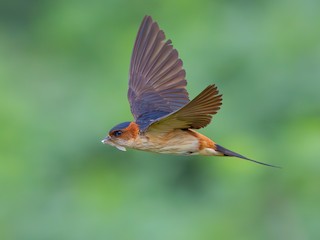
x=157 y=84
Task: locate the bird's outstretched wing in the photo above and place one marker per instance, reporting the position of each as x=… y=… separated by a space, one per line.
x=157 y=79
x=196 y=114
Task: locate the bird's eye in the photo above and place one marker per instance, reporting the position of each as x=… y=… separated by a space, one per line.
x=117 y=133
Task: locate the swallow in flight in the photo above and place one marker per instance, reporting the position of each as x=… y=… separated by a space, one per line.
x=165 y=118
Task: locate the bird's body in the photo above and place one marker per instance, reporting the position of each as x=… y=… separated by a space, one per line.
x=171 y=142
x=165 y=118
x=193 y=142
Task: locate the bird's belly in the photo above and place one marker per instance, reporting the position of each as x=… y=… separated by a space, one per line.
x=178 y=143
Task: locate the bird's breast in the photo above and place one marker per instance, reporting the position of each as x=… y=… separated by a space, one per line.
x=179 y=142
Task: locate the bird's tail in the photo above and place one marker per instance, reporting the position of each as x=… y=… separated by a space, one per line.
x=226 y=152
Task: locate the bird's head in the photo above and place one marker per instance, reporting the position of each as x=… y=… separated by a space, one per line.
x=122 y=135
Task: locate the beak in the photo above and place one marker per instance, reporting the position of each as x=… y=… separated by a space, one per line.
x=106 y=140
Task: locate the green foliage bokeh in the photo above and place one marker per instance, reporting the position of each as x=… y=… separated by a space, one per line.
x=63 y=84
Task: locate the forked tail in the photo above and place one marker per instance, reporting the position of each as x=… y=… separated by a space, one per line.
x=229 y=153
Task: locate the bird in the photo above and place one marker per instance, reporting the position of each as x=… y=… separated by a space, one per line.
x=165 y=120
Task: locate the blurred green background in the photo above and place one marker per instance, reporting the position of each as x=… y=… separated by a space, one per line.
x=63 y=84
